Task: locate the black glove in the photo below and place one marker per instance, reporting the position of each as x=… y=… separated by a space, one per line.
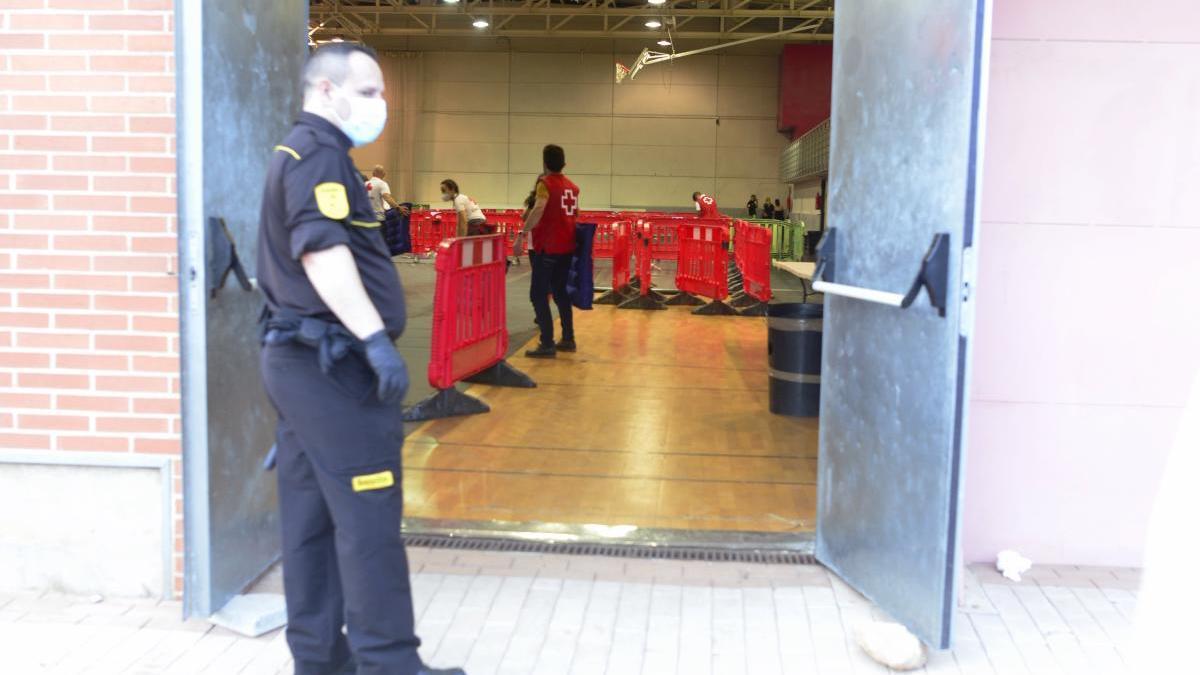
x=390 y=371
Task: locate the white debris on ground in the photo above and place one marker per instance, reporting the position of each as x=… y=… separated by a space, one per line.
x=1012 y=564
x=891 y=645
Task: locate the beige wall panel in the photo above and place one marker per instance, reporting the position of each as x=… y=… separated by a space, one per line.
x=693 y=70
x=732 y=193
x=748 y=102
x=485 y=128
x=564 y=130
x=672 y=160
x=636 y=99
x=593 y=189
x=465 y=67
x=562 y=68
x=657 y=191
x=446 y=96
x=558 y=98
x=490 y=190
x=527 y=157
x=750 y=134
x=748 y=163
x=663 y=131
x=747 y=70
x=450 y=156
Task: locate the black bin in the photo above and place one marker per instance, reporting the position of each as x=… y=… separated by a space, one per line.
x=794 y=358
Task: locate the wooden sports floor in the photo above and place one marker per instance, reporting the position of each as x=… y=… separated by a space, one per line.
x=660 y=420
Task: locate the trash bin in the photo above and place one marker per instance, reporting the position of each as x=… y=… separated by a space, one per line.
x=794 y=358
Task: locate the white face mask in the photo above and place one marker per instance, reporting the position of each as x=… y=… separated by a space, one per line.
x=364 y=118
x=446 y=197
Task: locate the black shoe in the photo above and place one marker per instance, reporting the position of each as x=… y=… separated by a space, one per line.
x=542 y=352
x=441 y=671
x=565 y=346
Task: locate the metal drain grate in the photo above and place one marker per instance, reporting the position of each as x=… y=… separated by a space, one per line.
x=662 y=552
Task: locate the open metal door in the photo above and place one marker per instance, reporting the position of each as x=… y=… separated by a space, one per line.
x=896 y=268
x=238 y=92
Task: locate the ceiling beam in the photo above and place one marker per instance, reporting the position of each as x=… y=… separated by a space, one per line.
x=502 y=10
x=598 y=33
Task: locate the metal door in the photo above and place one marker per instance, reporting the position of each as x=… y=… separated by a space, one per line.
x=896 y=270
x=238 y=92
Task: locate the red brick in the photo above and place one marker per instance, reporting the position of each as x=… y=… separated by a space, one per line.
x=92 y=361
x=87 y=43
x=50 y=143
x=25 y=441
x=155 y=244
x=129 y=223
x=151 y=144
x=107 y=243
x=93 y=443
x=58 y=181
x=23 y=4
x=22 y=83
x=92 y=321
x=25 y=319
x=93 y=403
x=152 y=165
x=132 y=343
x=49 y=221
x=23 y=201
x=156 y=324
x=92 y=282
x=129 y=183
x=23 y=122
x=152 y=43
x=22 y=162
x=107 y=83
x=59 y=21
x=153 y=204
x=25 y=400
x=54 y=262
x=133 y=383
x=93 y=5
x=87 y=123
x=151 y=5
x=24 y=360
x=15 y=241
x=55 y=340
x=21 y=41
x=152 y=125
x=39 y=63
x=55 y=301
x=125 y=63
x=152 y=84
x=131 y=104
x=49 y=103
x=14 y=280
x=126 y=22
x=54 y=422
x=131 y=263
x=156 y=364
x=131 y=303
x=88 y=163
x=165 y=446
x=151 y=425
x=162 y=406
x=90 y=203
x=52 y=381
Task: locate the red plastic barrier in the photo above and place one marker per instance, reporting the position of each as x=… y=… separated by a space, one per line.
x=427 y=229
x=663 y=235
x=703 y=259
x=469 y=329
x=643 y=252
x=621 y=247
x=754 y=261
x=509 y=224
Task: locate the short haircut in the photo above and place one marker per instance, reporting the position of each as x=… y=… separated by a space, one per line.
x=450 y=185
x=695 y=196
x=377 y=170
x=554 y=158
x=330 y=61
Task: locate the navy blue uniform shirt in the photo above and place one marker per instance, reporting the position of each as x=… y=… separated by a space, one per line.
x=315 y=199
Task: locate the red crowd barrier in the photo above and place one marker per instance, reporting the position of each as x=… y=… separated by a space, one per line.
x=427 y=229
x=469 y=330
x=756 y=262
x=662 y=233
x=620 y=255
x=703 y=259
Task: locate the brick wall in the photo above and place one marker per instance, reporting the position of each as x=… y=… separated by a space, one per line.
x=89 y=343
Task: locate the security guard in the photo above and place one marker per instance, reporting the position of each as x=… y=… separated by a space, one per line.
x=334 y=307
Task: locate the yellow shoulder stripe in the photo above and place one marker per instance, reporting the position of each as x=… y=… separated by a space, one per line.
x=288 y=150
x=363 y=223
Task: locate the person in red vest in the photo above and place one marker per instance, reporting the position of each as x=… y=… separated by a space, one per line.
x=706 y=205
x=551 y=222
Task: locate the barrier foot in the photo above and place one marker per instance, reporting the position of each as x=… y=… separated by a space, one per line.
x=502 y=375
x=757 y=309
x=636 y=283
x=742 y=300
x=445 y=403
x=613 y=296
x=658 y=297
x=642 y=302
x=684 y=298
x=715 y=308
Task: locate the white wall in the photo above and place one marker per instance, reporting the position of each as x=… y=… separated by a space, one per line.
x=646 y=143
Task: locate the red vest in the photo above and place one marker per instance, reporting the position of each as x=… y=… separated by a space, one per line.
x=708 y=207
x=555 y=233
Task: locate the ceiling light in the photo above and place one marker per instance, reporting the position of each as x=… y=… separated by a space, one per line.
x=336 y=40
x=480 y=23
x=653 y=23
x=658 y=2
x=664 y=43
x=451 y=2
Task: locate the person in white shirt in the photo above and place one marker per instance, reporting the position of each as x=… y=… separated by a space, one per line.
x=381 y=194
x=471 y=221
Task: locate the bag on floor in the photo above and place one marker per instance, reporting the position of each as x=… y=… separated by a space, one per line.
x=579 y=281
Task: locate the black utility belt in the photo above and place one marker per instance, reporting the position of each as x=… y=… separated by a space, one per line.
x=331 y=340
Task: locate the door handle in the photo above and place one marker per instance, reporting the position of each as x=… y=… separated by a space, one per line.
x=933 y=276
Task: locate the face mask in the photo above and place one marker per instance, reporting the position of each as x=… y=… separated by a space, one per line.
x=446 y=197
x=365 y=119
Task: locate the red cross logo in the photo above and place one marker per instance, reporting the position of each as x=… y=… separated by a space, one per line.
x=569 y=202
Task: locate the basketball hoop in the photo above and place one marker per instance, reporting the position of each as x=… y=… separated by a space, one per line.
x=622 y=72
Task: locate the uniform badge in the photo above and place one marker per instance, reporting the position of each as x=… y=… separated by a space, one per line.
x=331 y=199
x=373 y=481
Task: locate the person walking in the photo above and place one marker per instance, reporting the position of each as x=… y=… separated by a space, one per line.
x=330 y=367
x=550 y=225
x=471 y=221
x=752 y=206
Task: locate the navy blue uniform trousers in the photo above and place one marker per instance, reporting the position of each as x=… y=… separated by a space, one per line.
x=343 y=558
x=549 y=277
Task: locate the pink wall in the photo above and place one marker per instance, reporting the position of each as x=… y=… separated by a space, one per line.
x=805 y=87
x=1088 y=316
